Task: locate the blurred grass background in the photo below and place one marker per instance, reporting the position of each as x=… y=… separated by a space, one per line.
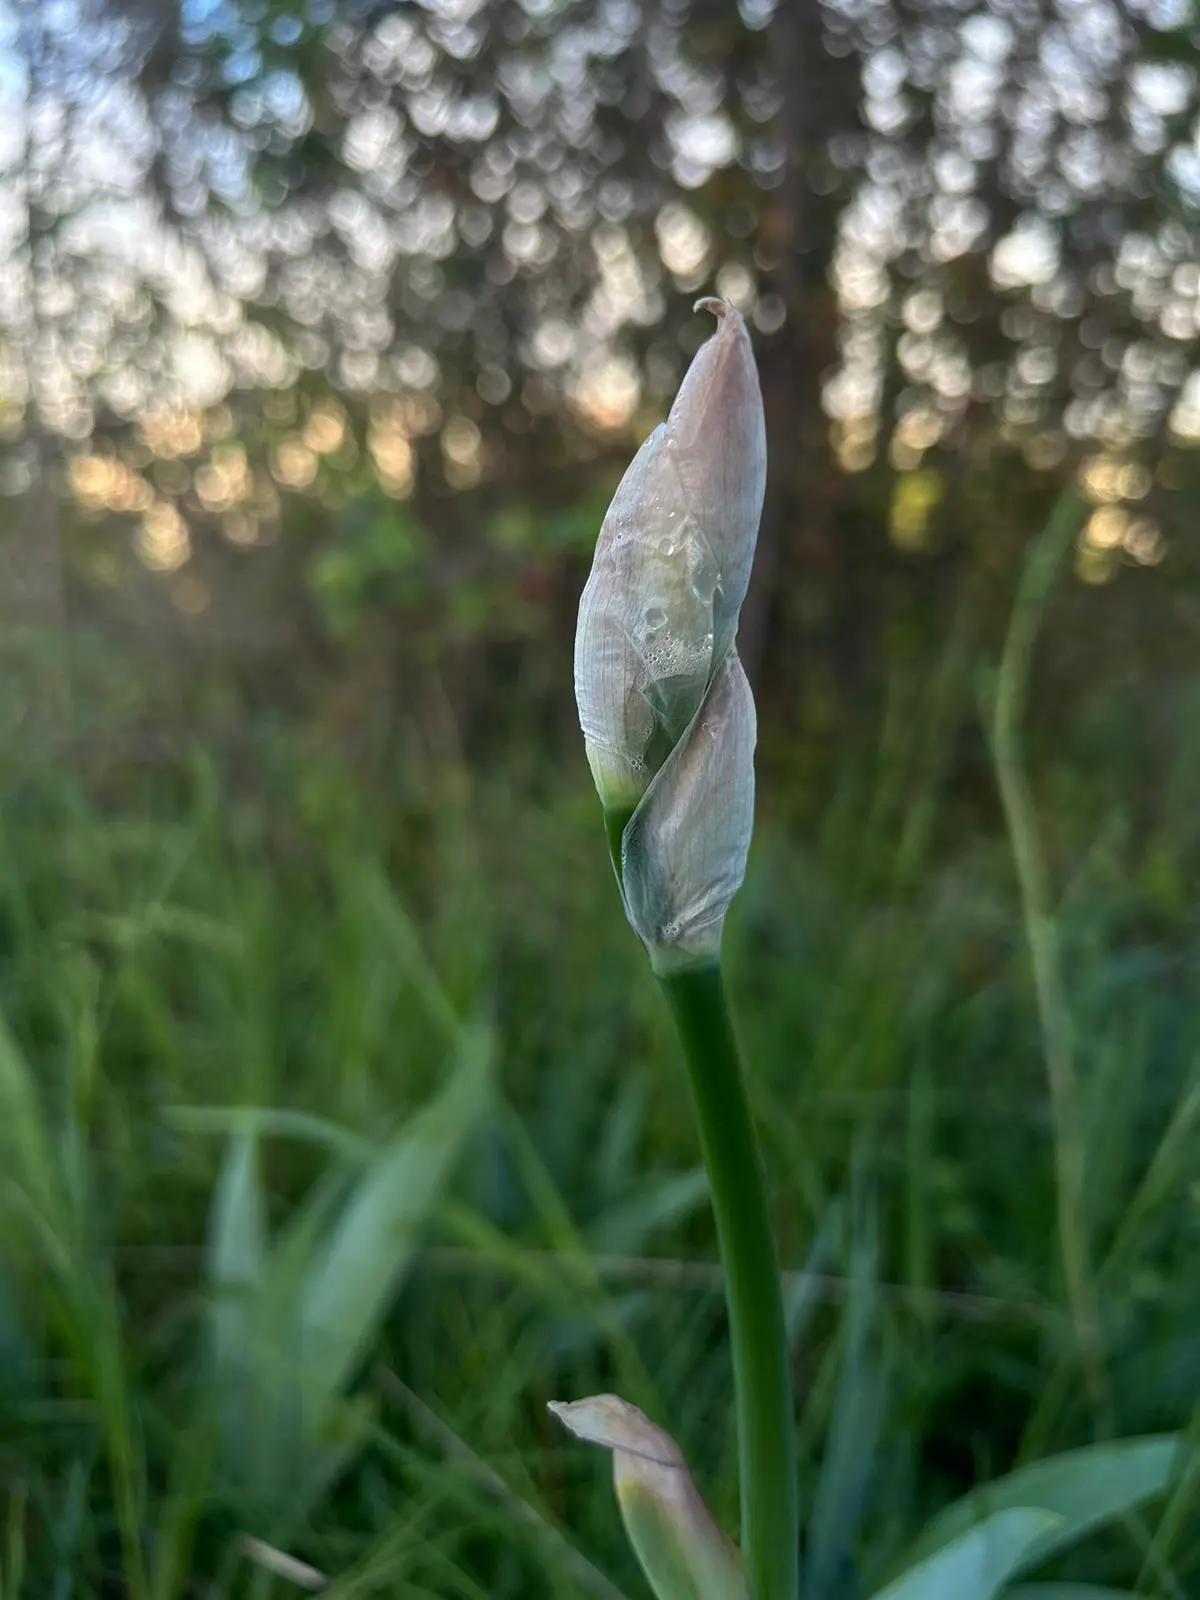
x=341 y=1124
x=234 y=980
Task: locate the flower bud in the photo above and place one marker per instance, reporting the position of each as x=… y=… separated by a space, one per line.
x=683 y=1553
x=666 y=711
x=683 y=854
x=659 y=611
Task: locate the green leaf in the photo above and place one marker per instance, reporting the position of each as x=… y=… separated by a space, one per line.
x=255 y=1291
x=1066 y=1591
x=853 y=1437
x=1083 y=1488
x=269 y=1122
x=360 y=1267
x=278 y=1432
x=977 y=1564
x=24 y=1136
x=237 y=1247
x=665 y=1202
x=236 y=1265
x=291 y=1320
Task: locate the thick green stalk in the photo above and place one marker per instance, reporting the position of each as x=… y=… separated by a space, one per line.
x=758 y=1334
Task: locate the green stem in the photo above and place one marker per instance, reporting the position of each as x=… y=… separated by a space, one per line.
x=758 y=1334
x=615 y=823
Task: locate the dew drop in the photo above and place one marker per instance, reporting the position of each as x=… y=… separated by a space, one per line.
x=705 y=578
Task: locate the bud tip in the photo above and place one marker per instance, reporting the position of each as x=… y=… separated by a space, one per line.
x=713 y=303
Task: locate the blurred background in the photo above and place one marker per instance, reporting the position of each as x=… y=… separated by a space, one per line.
x=342 y=1126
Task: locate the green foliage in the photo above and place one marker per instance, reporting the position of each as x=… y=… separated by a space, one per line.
x=849 y=1457
x=1032 y=1515
x=978 y=1562
x=1083 y=1489
x=292 y=1321
x=380 y=560
x=230 y=992
x=1066 y=1591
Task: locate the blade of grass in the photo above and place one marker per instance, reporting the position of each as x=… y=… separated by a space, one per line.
x=237 y=1251
x=1041 y=932
x=1182 y=1511
x=572 y=1250
x=186 y=1501
x=977 y=1563
x=849 y=1455
x=1084 y=1489
x=14 y=1541
x=589 y=1578
x=272 y=1122
x=24 y=1134
x=373 y=1243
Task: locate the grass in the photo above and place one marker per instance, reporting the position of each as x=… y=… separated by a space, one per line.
x=230 y=998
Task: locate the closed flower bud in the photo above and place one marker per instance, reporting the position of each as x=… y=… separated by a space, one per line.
x=683 y=1553
x=659 y=612
x=666 y=711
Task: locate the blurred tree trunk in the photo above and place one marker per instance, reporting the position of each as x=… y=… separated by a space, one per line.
x=797 y=600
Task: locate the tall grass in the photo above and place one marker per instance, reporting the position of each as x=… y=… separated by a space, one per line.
x=237 y=1007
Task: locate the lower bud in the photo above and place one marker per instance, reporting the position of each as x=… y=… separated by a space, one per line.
x=683 y=1553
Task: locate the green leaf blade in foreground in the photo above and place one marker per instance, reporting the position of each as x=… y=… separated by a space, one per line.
x=852 y=1441
x=237 y=1251
x=371 y=1247
x=1066 y=1591
x=1083 y=1488
x=977 y=1564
